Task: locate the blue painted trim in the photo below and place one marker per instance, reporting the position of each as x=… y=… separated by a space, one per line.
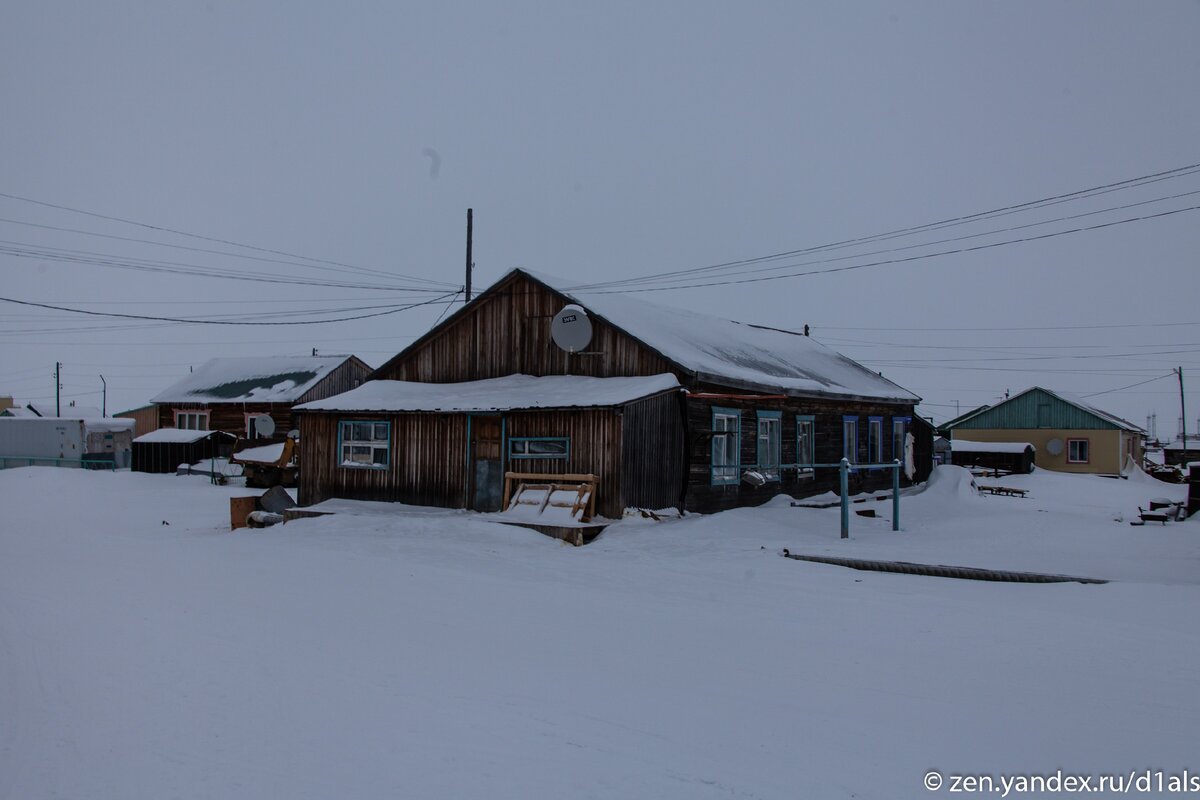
x=877 y=456
x=778 y=417
x=804 y=469
x=852 y=456
x=338 y=453
x=737 y=450
x=525 y=457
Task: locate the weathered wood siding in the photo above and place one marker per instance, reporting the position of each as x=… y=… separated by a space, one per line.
x=229 y=417
x=595 y=447
x=350 y=374
x=427 y=465
x=703 y=496
x=508 y=332
x=654 y=453
x=429 y=456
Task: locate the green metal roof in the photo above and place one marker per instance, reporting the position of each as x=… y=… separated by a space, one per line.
x=1040 y=408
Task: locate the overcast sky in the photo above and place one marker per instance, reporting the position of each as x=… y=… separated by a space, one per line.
x=607 y=141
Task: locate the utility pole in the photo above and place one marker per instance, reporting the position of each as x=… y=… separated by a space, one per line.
x=57 y=390
x=470 y=226
x=1182 y=411
x=103 y=397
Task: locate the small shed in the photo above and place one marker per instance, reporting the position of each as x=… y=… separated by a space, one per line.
x=1011 y=456
x=165 y=449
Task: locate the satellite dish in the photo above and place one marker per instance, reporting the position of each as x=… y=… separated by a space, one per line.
x=1054 y=447
x=264 y=425
x=571 y=329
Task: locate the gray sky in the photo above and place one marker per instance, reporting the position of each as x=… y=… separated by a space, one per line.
x=603 y=142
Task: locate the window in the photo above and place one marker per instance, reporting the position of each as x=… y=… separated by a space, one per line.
x=191 y=420
x=726 y=445
x=804 y=446
x=541 y=447
x=1078 y=451
x=769 y=444
x=899 y=431
x=364 y=445
x=875 y=440
x=850 y=439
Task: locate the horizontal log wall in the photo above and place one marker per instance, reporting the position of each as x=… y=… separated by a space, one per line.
x=828 y=415
x=230 y=417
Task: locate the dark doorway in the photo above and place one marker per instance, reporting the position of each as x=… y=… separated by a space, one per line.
x=487 y=462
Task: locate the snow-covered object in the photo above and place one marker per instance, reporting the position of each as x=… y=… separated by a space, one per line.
x=272 y=379
x=963 y=446
x=67 y=411
x=495 y=394
x=172 y=436
x=267 y=454
x=735 y=353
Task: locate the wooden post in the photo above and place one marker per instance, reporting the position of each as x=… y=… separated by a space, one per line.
x=845 y=482
x=470 y=225
x=896 y=495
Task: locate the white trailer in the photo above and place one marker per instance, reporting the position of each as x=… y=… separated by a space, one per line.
x=65 y=442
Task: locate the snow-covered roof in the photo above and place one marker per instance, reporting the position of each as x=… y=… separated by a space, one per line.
x=495 y=394
x=725 y=351
x=177 y=435
x=1192 y=444
x=20 y=412
x=259 y=379
x=962 y=446
x=68 y=411
x=266 y=454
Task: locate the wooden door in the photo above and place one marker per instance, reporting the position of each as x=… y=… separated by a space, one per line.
x=487 y=462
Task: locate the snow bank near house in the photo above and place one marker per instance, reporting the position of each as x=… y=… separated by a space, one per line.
x=397 y=651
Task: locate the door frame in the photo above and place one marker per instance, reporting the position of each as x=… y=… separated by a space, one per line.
x=469 y=484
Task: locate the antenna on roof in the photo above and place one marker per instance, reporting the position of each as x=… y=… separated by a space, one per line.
x=571 y=329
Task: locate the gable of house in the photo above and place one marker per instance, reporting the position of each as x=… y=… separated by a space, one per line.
x=507 y=331
x=1039 y=408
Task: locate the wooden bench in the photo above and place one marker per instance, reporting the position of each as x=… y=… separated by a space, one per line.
x=1006 y=491
x=540 y=490
x=1153 y=516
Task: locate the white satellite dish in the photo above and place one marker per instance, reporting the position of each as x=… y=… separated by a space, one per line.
x=571 y=329
x=263 y=425
x=1054 y=447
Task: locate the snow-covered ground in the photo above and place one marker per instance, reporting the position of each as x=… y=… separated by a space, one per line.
x=392 y=651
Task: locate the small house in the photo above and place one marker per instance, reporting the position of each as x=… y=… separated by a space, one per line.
x=145 y=419
x=668 y=407
x=247 y=395
x=1068 y=433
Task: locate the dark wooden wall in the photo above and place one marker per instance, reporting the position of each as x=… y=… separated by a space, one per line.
x=508 y=332
x=595 y=435
x=827 y=415
x=230 y=417
x=428 y=461
x=654 y=453
x=350 y=374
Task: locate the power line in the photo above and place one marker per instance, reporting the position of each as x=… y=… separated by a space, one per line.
x=907 y=259
x=194 y=235
x=194 y=321
x=1130 y=386
x=1080 y=194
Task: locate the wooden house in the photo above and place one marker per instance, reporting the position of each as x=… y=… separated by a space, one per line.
x=1068 y=433
x=670 y=408
x=234 y=394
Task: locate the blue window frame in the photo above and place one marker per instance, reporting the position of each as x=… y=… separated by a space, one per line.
x=899 y=432
x=526 y=447
x=850 y=439
x=726 y=446
x=364 y=444
x=875 y=440
x=804 y=445
x=770 y=440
